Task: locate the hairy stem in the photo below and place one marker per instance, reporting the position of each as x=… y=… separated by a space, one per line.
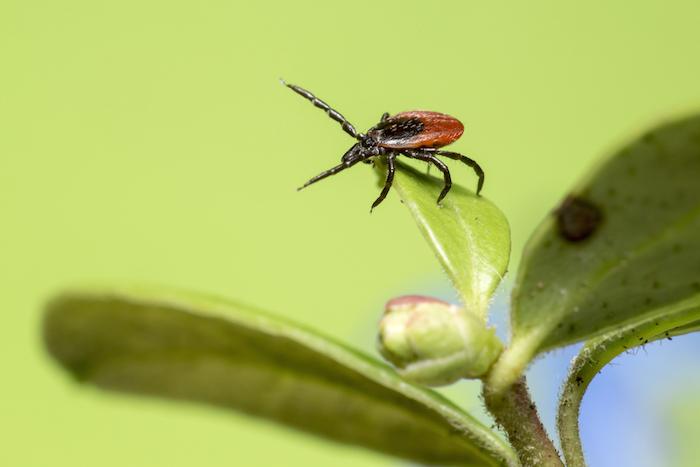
x=598 y=352
x=570 y=405
x=515 y=412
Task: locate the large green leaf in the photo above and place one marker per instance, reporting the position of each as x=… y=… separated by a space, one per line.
x=641 y=254
x=468 y=234
x=182 y=346
x=664 y=323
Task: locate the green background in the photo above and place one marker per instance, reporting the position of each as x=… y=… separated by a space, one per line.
x=152 y=142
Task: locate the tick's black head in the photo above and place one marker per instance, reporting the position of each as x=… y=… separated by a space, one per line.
x=352 y=155
x=367 y=147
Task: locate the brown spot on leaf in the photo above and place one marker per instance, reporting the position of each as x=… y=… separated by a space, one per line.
x=577 y=218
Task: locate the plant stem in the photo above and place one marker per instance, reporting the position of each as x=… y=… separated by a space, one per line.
x=511 y=365
x=515 y=412
x=569 y=407
x=598 y=352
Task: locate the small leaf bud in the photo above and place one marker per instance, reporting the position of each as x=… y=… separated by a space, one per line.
x=434 y=343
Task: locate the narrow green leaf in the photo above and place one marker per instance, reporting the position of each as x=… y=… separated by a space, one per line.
x=469 y=235
x=641 y=254
x=685 y=329
x=166 y=343
x=665 y=323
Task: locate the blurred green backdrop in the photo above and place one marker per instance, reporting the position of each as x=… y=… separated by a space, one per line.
x=151 y=141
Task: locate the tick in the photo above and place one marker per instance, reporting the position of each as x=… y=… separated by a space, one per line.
x=417 y=134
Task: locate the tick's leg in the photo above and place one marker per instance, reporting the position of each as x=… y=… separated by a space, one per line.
x=391 y=168
x=446 y=175
x=385 y=115
x=470 y=162
x=431 y=159
x=328 y=173
x=334 y=114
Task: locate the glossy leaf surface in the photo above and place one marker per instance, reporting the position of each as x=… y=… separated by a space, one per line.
x=469 y=235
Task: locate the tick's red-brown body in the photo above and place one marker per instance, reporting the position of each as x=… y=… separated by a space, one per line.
x=417 y=129
x=417 y=134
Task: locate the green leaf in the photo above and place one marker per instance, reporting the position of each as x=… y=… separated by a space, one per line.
x=664 y=323
x=642 y=253
x=468 y=234
x=686 y=329
x=166 y=343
